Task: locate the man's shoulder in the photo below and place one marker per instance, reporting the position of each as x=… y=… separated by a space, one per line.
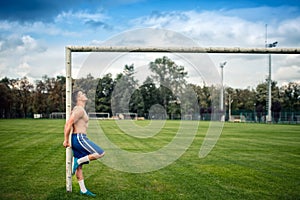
x=78 y=109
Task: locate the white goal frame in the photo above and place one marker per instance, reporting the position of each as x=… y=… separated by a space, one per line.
x=70 y=49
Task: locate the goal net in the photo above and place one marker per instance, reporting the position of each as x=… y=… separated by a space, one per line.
x=98 y=115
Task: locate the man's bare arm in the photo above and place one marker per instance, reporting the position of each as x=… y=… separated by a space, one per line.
x=67 y=131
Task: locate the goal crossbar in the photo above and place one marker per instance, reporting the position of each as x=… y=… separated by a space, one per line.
x=184 y=49
x=128 y=49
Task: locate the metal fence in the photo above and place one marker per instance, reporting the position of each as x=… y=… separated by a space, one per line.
x=277 y=117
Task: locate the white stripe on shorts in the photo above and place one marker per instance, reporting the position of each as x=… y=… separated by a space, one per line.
x=86 y=145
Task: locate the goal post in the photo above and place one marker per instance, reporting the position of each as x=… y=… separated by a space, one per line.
x=132 y=49
x=69 y=155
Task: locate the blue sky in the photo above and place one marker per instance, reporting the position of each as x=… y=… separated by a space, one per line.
x=33 y=34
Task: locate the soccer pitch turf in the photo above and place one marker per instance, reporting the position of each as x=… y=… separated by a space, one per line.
x=249 y=161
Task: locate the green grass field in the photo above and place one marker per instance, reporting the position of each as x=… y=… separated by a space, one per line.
x=250 y=161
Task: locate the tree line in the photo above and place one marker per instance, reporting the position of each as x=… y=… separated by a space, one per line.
x=19 y=98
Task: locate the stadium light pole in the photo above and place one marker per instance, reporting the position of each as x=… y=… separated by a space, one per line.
x=269 y=101
x=229 y=106
x=269 y=119
x=222 y=65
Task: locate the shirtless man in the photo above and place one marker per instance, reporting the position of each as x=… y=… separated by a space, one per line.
x=84 y=150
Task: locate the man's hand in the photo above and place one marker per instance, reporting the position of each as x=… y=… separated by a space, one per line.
x=66 y=144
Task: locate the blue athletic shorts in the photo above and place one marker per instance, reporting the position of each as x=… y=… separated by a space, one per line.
x=82 y=146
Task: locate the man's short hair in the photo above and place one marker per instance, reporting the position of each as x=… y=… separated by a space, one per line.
x=74 y=97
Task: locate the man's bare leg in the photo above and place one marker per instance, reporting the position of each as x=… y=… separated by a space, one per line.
x=80 y=178
x=90 y=157
x=77 y=169
x=95 y=156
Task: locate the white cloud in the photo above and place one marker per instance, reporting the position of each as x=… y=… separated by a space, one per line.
x=286 y=68
x=288 y=32
x=264 y=13
x=39 y=28
x=208 y=28
x=226 y=28
x=285 y=74
x=23 y=69
x=37 y=48
x=29 y=44
x=79 y=16
x=18 y=53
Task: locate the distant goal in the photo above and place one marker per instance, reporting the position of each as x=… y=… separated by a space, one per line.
x=127 y=116
x=58 y=115
x=188 y=117
x=99 y=115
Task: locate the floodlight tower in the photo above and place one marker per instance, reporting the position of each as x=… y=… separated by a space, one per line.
x=269 y=101
x=222 y=65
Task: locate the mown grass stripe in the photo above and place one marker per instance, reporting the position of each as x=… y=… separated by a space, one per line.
x=249 y=161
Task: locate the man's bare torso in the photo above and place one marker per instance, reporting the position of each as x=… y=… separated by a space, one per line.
x=81 y=120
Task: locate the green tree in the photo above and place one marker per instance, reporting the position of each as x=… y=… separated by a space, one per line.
x=244 y=100
x=136 y=103
x=290 y=96
x=262 y=97
x=40 y=97
x=57 y=95
x=204 y=98
x=5 y=98
x=150 y=95
x=125 y=86
x=25 y=89
x=49 y=95
x=171 y=79
x=104 y=91
x=20 y=96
